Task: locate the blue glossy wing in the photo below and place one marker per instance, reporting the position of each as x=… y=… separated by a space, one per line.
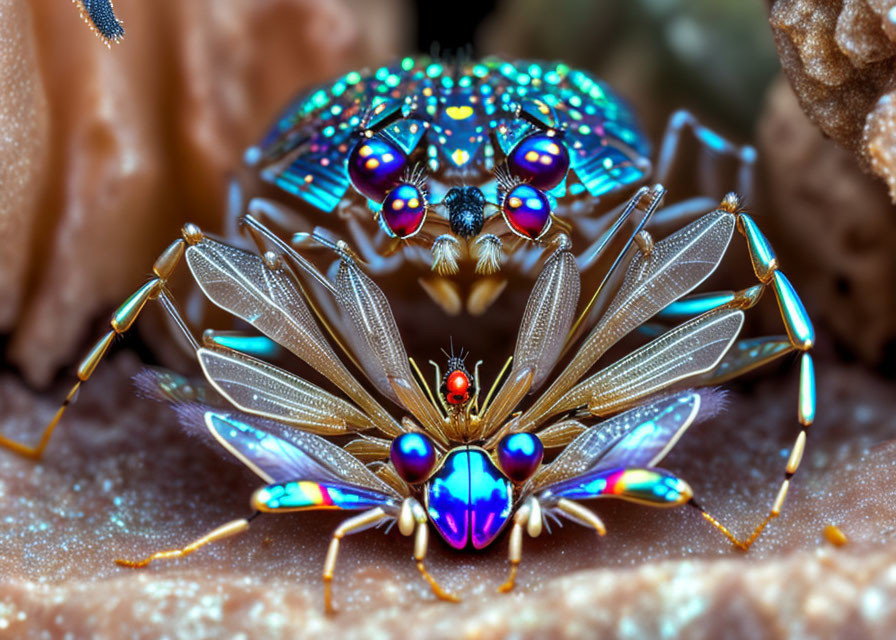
x=650 y=486
x=304 y=495
x=640 y=437
x=277 y=453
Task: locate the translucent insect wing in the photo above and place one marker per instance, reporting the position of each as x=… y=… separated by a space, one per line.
x=277 y=453
x=546 y=321
x=674 y=267
x=259 y=388
x=640 y=437
x=239 y=282
x=692 y=348
x=378 y=343
x=549 y=315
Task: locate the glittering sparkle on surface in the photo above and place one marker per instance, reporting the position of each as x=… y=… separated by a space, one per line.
x=122 y=480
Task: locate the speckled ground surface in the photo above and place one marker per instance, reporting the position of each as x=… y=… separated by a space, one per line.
x=120 y=480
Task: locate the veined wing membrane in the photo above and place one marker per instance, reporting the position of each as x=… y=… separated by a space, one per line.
x=259 y=388
x=546 y=321
x=549 y=314
x=378 y=343
x=692 y=348
x=239 y=282
x=747 y=355
x=278 y=453
x=640 y=437
x=674 y=267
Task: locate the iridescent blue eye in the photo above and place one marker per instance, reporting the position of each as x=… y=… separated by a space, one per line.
x=539 y=159
x=519 y=455
x=404 y=210
x=375 y=166
x=527 y=211
x=414 y=456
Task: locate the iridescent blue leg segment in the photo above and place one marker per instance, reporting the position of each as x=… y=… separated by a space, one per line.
x=713 y=144
x=748 y=354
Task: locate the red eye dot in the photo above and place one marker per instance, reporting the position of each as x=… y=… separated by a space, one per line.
x=458 y=386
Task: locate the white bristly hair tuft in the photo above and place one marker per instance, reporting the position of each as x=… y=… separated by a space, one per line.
x=445 y=252
x=488 y=254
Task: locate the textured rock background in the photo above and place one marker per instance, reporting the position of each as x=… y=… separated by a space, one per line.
x=838 y=55
x=105 y=153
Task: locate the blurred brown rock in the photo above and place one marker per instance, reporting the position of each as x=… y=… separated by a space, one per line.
x=109 y=151
x=840 y=58
x=837 y=224
x=24 y=148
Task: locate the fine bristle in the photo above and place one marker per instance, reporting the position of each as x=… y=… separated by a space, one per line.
x=488 y=254
x=731 y=202
x=445 y=252
x=713 y=401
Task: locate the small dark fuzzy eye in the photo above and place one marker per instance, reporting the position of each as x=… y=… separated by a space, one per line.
x=414 y=456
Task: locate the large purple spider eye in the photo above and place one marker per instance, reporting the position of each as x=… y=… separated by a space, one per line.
x=375 y=166
x=414 y=456
x=527 y=211
x=539 y=159
x=519 y=455
x=404 y=210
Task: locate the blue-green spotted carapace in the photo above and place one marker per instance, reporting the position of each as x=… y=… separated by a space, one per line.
x=447 y=163
x=454 y=139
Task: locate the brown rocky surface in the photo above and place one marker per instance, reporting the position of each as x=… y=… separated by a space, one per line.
x=839 y=57
x=120 y=480
x=834 y=224
x=834 y=227
x=107 y=152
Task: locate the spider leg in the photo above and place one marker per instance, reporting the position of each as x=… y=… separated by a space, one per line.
x=530 y=517
x=712 y=145
x=122 y=320
x=800 y=336
x=412 y=520
x=227 y=530
x=374 y=262
x=370 y=518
